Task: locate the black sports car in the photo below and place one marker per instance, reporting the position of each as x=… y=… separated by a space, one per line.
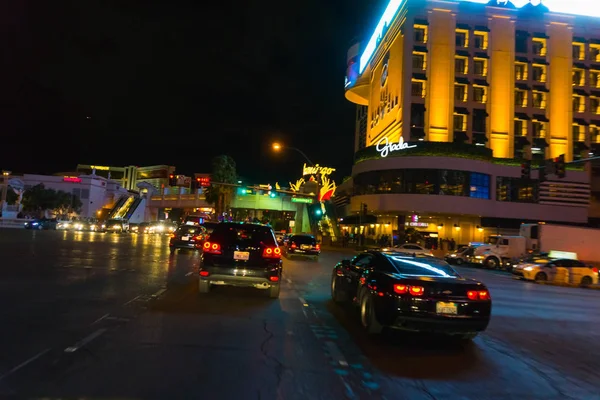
x=410 y=292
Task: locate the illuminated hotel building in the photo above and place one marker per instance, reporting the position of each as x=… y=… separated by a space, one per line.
x=466 y=90
x=130 y=176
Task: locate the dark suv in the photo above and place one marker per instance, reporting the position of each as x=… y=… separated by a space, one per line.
x=240 y=254
x=188 y=237
x=303 y=245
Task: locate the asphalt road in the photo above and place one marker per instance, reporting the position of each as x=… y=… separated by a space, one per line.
x=105 y=315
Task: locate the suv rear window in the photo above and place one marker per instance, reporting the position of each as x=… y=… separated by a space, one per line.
x=243 y=233
x=187 y=229
x=304 y=240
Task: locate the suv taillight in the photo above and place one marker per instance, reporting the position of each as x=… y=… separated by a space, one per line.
x=293 y=246
x=272 y=252
x=198 y=237
x=212 y=248
x=318 y=246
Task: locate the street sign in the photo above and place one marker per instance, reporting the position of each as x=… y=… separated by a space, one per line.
x=305 y=200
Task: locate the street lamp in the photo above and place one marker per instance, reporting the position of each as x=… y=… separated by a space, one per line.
x=278 y=147
x=5 y=175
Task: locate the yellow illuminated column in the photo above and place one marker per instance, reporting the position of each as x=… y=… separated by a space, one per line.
x=440 y=88
x=502 y=86
x=560 y=102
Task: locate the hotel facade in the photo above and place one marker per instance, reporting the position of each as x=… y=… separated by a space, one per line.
x=453 y=97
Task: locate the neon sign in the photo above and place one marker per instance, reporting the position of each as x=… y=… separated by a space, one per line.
x=384 y=147
x=100 y=167
x=316 y=170
x=72 y=179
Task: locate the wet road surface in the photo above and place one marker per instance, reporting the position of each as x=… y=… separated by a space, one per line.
x=106 y=315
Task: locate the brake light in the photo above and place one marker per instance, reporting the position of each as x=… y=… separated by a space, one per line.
x=293 y=246
x=272 y=252
x=274 y=278
x=204 y=273
x=318 y=246
x=401 y=289
x=212 y=248
x=199 y=237
x=595 y=270
x=478 y=295
x=416 y=290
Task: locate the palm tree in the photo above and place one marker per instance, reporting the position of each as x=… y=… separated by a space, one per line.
x=223 y=171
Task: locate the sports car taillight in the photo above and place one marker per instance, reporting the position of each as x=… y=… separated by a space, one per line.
x=413 y=290
x=212 y=248
x=478 y=295
x=272 y=252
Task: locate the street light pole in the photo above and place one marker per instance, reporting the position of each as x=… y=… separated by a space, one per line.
x=278 y=146
x=5 y=176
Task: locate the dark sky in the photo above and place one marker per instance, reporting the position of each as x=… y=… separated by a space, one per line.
x=171 y=82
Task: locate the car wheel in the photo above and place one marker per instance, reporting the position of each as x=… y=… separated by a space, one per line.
x=274 y=291
x=203 y=286
x=459 y=261
x=541 y=277
x=368 y=318
x=491 y=262
x=337 y=294
x=586 y=281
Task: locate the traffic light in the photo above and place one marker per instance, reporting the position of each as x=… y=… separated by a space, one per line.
x=272 y=194
x=526 y=169
x=559 y=166
x=195 y=184
x=172 y=180
x=364 y=209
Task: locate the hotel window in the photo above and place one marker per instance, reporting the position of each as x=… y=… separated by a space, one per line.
x=520 y=98
x=538 y=129
x=479 y=121
x=460 y=92
x=578 y=133
x=480 y=66
x=461 y=65
x=421 y=33
x=460 y=122
x=578 y=104
x=538 y=99
x=418 y=88
x=578 y=51
x=595 y=105
x=480 y=94
x=479 y=186
x=539 y=47
x=595 y=133
x=520 y=127
x=595 y=52
x=480 y=40
x=578 y=77
x=595 y=79
x=462 y=38
x=419 y=61
x=521 y=71
x=538 y=73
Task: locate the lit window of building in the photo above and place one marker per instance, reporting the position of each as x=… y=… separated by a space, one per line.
x=595 y=105
x=480 y=40
x=521 y=71
x=538 y=129
x=461 y=65
x=462 y=38
x=460 y=122
x=520 y=127
x=595 y=79
x=595 y=52
x=578 y=77
x=538 y=73
x=420 y=35
x=480 y=94
x=480 y=66
x=418 y=88
x=539 y=47
x=520 y=98
x=595 y=133
x=578 y=103
x=578 y=133
x=578 y=51
x=538 y=99
x=460 y=92
x=419 y=60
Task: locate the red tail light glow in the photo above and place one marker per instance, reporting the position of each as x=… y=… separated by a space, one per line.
x=272 y=252
x=318 y=246
x=212 y=248
x=595 y=270
x=478 y=295
x=416 y=290
x=274 y=278
x=204 y=273
x=401 y=289
x=293 y=246
x=199 y=237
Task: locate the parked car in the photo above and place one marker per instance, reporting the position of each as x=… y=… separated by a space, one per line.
x=188 y=237
x=413 y=248
x=413 y=293
x=42 y=223
x=241 y=254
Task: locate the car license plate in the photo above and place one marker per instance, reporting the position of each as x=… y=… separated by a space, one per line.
x=185 y=238
x=305 y=247
x=446 y=308
x=241 y=255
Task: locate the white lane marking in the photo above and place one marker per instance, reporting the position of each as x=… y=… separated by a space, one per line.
x=24 y=363
x=336 y=354
x=85 y=341
x=100 y=319
x=289 y=281
x=132 y=300
x=118 y=319
x=189 y=273
x=159 y=293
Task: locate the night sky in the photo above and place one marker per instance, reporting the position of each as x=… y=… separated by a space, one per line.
x=170 y=82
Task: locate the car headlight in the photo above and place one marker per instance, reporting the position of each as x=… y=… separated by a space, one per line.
x=103 y=226
x=453 y=255
x=528 y=268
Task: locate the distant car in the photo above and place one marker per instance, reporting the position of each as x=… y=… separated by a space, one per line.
x=42 y=223
x=303 y=245
x=414 y=293
x=413 y=248
x=188 y=237
x=279 y=236
x=460 y=256
x=546 y=269
x=117 y=225
x=241 y=255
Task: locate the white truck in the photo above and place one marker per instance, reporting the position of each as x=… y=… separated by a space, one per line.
x=544 y=238
x=501 y=251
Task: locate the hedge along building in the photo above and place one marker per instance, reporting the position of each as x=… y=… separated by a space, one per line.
x=452 y=96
